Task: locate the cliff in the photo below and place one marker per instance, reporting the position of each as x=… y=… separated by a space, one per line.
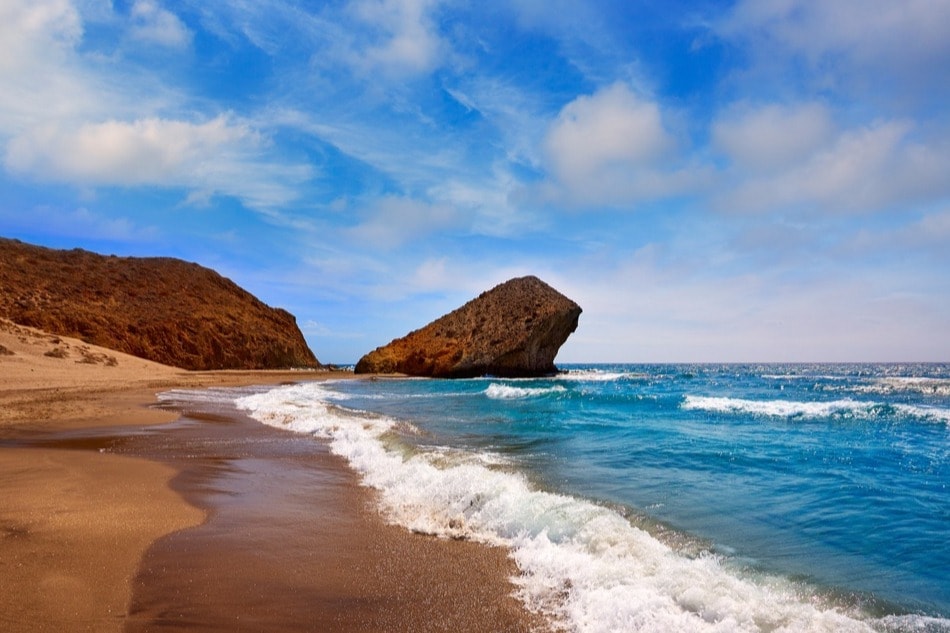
x=512 y=330
x=161 y=309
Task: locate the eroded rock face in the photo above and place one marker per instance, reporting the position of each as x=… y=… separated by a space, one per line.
x=512 y=330
x=162 y=309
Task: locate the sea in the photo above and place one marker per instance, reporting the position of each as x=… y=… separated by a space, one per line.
x=757 y=497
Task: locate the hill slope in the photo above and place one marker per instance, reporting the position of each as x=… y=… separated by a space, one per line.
x=161 y=309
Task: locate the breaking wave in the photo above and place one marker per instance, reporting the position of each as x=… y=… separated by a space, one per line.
x=499 y=391
x=583 y=565
x=845 y=408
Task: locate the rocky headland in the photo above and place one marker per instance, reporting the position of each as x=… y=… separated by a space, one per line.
x=512 y=330
x=161 y=309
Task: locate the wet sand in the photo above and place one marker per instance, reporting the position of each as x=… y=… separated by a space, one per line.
x=73 y=525
x=118 y=517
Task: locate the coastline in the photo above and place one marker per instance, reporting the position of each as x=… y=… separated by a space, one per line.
x=149 y=537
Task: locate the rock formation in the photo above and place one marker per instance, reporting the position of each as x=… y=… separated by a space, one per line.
x=161 y=309
x=512 y=330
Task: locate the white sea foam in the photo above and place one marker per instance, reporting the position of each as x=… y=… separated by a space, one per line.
x=925 y=386
x=928 y=387
x=207 y=395
x=912 y=624
x=779 y=408
x=500 y=391
x=804 y=377
x=924 y=413
x=596 y=375
x=810 y=410
x=338 y=396
x=582 y=564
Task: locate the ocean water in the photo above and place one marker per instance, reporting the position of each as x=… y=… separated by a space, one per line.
x=669 y=497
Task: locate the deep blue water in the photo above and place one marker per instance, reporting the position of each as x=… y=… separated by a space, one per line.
x=835 y=478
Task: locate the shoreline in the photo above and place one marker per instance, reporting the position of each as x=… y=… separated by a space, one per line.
x=109 y=520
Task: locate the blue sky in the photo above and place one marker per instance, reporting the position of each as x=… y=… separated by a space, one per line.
x=711 y=181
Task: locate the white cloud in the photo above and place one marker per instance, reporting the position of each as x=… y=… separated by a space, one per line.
x=862 y=30
x=772 y=136
x=864 y=169
x=849 y=43
x=613 y=148
x=217 y=156
x=38 y=70
x=933 y=228
x=613 y=127
x=487 y=204
x=405 y=39
x=152 y=23
x=65 y=117
x=925 y=239
x=433 y=274
x=380 y=41
x=394 y=221
x=143 y=152
x=36 y=27
x=47 y=80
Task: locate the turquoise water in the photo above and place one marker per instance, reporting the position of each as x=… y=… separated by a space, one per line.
x=735 y=497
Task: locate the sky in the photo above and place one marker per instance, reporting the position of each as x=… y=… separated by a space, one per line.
x=749 y=181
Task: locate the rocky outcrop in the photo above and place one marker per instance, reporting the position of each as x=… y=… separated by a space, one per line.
x=161 y=309
x=512 y=330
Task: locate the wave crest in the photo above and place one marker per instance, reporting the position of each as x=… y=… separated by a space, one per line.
x=499 y=391
x=845 y=408
x=923 y=386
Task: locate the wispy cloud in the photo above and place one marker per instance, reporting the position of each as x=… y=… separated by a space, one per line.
x=80 y=223
x=865 y=169
x=153 y=24
x=878 y=50
x=390 y=222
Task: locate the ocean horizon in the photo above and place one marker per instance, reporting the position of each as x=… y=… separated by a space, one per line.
x=668 y=497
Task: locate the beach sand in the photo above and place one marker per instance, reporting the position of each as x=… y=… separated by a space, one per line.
x=116 y=516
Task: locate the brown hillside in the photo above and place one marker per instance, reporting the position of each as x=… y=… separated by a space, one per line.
x=515 y=329
x=162 y=309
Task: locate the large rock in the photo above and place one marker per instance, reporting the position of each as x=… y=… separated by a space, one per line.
x=512 y=330
x=162 y=309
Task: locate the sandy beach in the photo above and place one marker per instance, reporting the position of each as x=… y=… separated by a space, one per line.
x=117 y=515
